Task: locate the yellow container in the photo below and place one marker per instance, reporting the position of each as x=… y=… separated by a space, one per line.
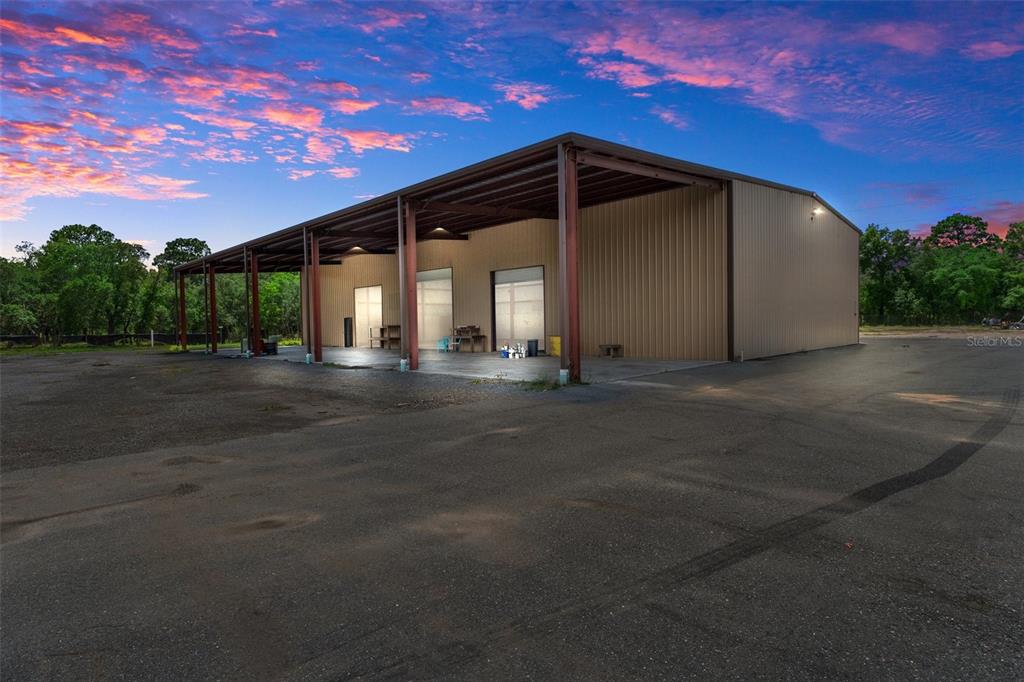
x=554 y=345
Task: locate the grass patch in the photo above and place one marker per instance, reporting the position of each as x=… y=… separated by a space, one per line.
x=47 y=349
x=538 y=384
x=541 y=384
x=933 y=329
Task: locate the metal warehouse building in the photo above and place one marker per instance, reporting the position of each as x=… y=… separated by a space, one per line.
x=577 y=243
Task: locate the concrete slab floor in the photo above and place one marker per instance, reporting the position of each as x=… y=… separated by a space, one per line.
x=848 y=514
x=596 y=370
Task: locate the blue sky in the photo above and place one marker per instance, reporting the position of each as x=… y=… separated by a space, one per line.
x=226 y=120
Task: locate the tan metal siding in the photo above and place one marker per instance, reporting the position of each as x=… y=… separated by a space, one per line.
x=337 y=299
x=795 y=278
x=520 y=244
x=653 y=275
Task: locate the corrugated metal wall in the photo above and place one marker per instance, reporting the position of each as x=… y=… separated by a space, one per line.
x=653 y=275
x=516 y=245
x=795 y=278
x=519 y=244
x=337 y=300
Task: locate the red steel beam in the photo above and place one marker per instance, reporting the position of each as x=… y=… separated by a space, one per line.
x=213 y=309
x=634 y=168
x=257 y=334
x=410 y=285
x=314 y=305
x=482 y=210
x=568 y=222
x=182 y=317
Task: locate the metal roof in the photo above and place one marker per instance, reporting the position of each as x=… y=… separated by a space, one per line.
x=516 y=185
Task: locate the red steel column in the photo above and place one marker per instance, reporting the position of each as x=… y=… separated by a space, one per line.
x=213 y=310
x=568 y=222
x=314 y=305
x=257 y=334
x=410 y=286
x=182 y=317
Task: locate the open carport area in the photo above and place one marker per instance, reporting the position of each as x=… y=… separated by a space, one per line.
x=488 y=366
x=853 y=512
x=572 y=247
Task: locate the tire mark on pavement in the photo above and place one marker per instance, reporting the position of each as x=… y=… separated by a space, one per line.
x=442 y=658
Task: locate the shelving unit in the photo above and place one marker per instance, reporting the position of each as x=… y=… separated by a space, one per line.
x=389 y=336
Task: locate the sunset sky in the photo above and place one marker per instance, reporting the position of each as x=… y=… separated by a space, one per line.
x=226 y=120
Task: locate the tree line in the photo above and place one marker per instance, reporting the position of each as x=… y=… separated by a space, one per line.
x=84 y=280
x=959 y=273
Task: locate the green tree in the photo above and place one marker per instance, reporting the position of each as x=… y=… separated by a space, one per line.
x=88 y=281
x=1013 y=242
x=884 y=258
x=178 y=252
x=961 y=230
x=19 y=297
x=908 y=305
x=965 y=283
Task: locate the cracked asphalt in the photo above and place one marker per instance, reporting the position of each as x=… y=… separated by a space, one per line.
x=851 y=513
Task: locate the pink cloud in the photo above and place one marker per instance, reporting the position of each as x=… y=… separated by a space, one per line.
x=362 y=140
x=999 y=215
x=384 y=18
x=417 y=77
x=991 y=49
x=26 y=33
x=352 y=106
x=670 y=116
x=369 y=56
x=130 y=69
x=701 y=79
x=219 y=121
x=301 y=174
x=76 y=36
x=31 y=67
x=525 y=94
x=220 y=155
x=301 y=117
x=241 y=31
x=142 y=27
x=923 y=194
x=333 y=88
x=448 y=106
x=912 y=36
x=319 y=151
x=148 y=134
x=626 y=74
x=343 y=172
x=22 y=179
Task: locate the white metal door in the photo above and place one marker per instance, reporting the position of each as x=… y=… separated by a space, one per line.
x=433 y=306
x=519 y=306
x=369 y=314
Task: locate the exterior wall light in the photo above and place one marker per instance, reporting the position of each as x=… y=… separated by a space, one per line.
x=817 y=210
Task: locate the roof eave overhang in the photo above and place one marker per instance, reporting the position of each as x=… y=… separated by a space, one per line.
x=489 y=168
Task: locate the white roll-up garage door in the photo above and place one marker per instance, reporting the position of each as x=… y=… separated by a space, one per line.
x=519 y=305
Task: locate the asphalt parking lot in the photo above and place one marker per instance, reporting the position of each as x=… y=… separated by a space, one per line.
x=851 y=513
